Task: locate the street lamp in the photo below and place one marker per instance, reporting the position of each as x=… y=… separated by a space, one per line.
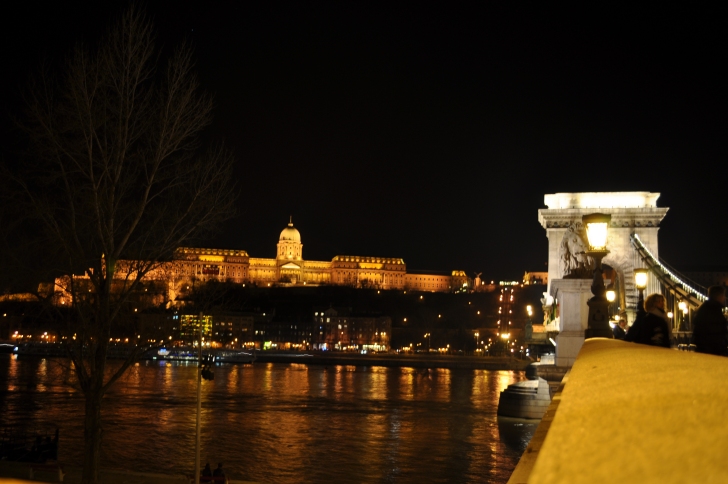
x=507 y=338
x=611 y=296
x=683 y=307
x=596 y=231
x=640 y=280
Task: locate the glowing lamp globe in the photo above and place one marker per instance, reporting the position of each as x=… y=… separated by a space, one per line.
x=596 y=230
x=640 y=278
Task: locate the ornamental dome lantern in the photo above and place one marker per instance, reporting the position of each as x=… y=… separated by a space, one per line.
x=290 y=233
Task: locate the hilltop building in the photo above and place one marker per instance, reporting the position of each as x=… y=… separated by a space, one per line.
x=193 y=265
x=535 y=278
x=290 y=268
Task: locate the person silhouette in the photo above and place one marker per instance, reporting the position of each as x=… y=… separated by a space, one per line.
x=618 y=329
x=653 y=327
x=709 y=324
x=219 y=472
x=206 y=473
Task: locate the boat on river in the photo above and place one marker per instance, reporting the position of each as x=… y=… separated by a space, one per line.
x=189 y=353
x=176 y=353
x=234 y=356
x=40 y=349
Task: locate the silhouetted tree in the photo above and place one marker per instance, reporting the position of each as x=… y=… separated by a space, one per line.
x=113 y=184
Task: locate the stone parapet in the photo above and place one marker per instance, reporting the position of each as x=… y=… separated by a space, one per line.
x=572 y=295
x=633 y=413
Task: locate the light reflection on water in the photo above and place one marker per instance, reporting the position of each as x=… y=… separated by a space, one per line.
x=279 y=423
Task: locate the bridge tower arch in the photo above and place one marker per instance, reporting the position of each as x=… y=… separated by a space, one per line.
x=632 y=213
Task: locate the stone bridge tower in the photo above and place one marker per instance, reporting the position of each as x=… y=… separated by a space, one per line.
x=632 y=212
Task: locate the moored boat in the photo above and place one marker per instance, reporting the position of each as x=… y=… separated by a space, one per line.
x=189 y=353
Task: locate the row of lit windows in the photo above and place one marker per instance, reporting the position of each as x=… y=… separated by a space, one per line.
x=189 y=250
x=378 y=260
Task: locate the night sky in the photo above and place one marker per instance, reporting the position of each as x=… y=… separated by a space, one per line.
x=431 y=132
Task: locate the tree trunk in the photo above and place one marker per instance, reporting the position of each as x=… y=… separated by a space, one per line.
x=92 y=436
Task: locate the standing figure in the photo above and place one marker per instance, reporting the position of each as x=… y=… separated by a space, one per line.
x=206 y=473
x=219 y=472
x=709 y=324
x=654 y=327
x=618 y=330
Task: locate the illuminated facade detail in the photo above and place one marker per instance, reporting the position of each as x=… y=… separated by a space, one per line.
x=289 y=244
x=631 y=213
x=189 y=325
x=289 y=268
x=535 y=278
x=191 y=266
x=335 y=330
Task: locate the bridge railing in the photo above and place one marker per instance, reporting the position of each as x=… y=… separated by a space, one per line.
x=683 y=340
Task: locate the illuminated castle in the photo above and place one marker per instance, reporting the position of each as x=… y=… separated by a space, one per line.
x=289 y=268
x=172 y=281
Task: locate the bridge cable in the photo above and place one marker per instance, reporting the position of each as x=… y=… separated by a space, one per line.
x=693 y=294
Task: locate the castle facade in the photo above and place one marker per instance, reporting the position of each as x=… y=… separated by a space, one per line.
x=193 y=265
x=290 y=268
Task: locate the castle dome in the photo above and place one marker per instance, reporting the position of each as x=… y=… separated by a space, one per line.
x=290 y=233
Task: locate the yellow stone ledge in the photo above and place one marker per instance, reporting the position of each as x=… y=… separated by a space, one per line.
x=633 y=413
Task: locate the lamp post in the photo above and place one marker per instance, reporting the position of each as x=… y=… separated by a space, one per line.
x=682 y=305
x=199 y=403
x=611 y=296
x=596 y=231
x=640 y=280
x=507 y=338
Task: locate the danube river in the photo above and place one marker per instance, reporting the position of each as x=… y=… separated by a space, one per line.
x=283 y=423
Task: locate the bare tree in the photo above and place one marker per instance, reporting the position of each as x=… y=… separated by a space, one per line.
x=114 y=184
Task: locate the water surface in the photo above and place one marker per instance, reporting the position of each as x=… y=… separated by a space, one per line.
x=283 y=423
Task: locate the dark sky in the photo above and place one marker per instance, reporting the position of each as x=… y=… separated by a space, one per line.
x=431 y=132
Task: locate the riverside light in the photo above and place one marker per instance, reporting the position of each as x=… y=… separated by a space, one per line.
x=611 y=295
x=596 y=230
x=640 y=278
